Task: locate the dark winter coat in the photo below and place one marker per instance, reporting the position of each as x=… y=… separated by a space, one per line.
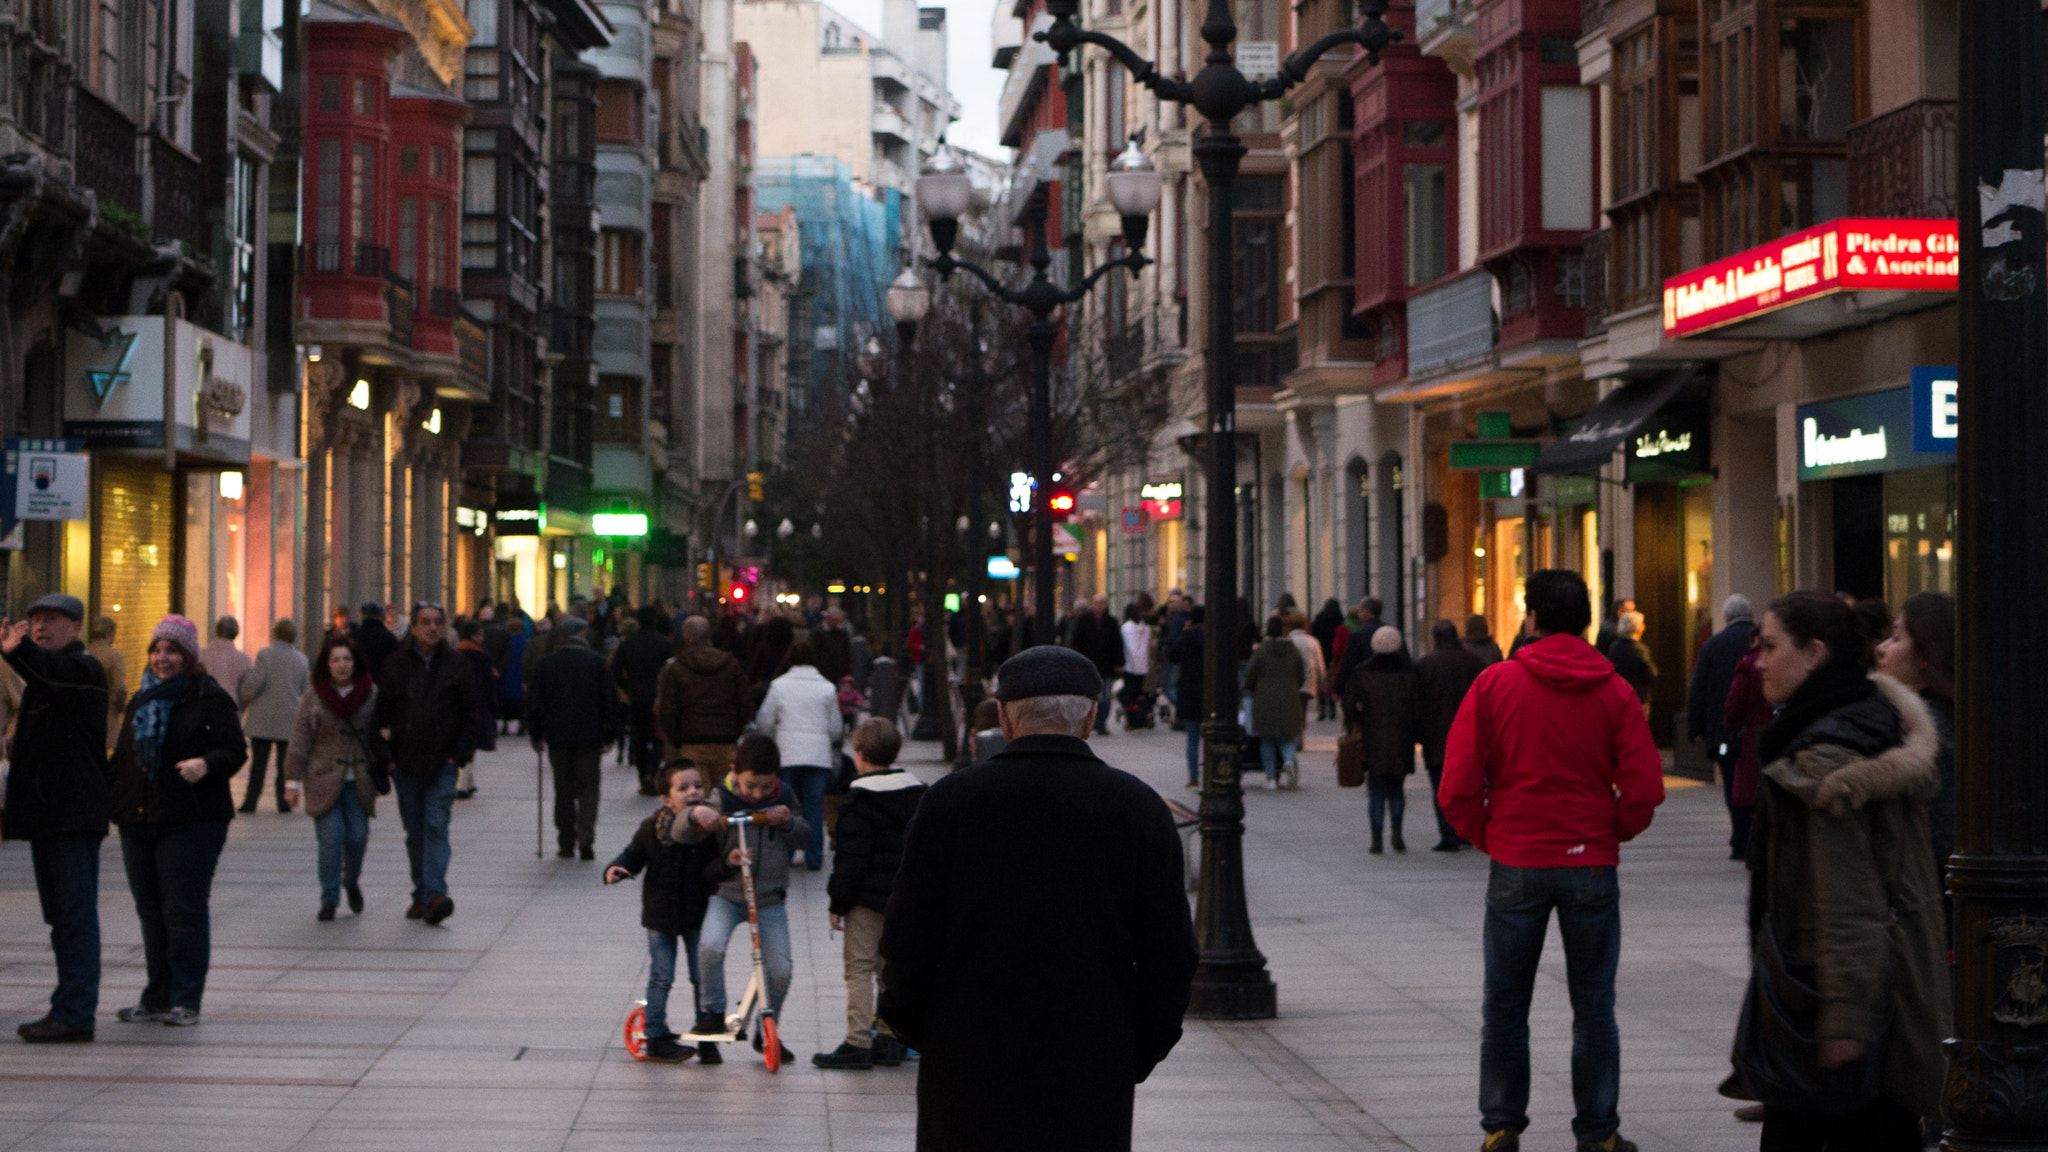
x=1712 y=675
x=702 y=697
x=1357 y=651
x=205 y=722
x=1274 y=680
x=485 y=674
x=376 y=642
x=1041 y=885
x=1487 y=651
x=636 y=665
x=867 y=846
x=1441 y=680
x=676 y=888
x=1633 y=662
x=571 y=702
x=57 y=782
x=1383 y=696
x=1101 y=640
x=422 y=700
x=1186 y=651
x=832 y=649
x=1841 y=876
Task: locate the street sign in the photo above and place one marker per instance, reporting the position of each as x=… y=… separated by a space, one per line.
x=1258 y=59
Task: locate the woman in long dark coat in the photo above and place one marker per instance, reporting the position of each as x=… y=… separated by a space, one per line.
x=1382 y=696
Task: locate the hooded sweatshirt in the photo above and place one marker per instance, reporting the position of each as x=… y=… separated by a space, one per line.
x=770 y=847
x=1550 y=763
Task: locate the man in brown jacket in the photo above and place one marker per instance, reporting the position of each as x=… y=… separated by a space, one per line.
x=701 y=702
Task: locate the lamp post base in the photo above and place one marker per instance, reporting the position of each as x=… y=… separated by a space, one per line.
x=1234 y=992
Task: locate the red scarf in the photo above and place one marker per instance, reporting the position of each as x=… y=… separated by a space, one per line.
x=344 y=706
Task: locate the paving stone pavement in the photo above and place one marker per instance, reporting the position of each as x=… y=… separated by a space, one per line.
x=500 y=1030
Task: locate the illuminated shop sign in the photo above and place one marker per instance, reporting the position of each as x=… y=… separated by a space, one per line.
x=1161 y=499
x=1671 y=445
x=1934 y=409
x=519 y=517
x=1845 y=255
x=1864 y=435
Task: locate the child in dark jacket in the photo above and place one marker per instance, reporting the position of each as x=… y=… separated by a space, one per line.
x=869 y=844
x=672 y=900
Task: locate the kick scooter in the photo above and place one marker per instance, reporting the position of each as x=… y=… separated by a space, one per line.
x=755 y=1000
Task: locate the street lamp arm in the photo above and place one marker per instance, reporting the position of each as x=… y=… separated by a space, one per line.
x=1135 y=261
x=945 y=265
x=1063 y=37
x=1373 y=37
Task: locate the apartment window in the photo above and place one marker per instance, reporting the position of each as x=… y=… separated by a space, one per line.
x=618 y=263
x=1816 y=79
x=327 y=206
x=658 y=229
x=570 y=129
x=437 y=244
x=480 y=208
x=481 y=82
x=483 y=18
x=1425 y=224
x=438 y=166
x=330 y=94
x=409 y=238
x=618 y=113
x=409 y=161
x=480 y=185
x=117 y=63
x=366 y=97
x=363 y=193
x=618 y=409
x=1257 y=275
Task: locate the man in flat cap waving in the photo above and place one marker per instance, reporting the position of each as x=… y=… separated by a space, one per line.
x=1037 y=951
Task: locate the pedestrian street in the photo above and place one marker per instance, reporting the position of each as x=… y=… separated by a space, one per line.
x=500 y=1029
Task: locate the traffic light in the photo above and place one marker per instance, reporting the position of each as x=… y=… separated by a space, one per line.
x=1060 y=503
x=704 y=577
x=754 y=485
x=739 y=593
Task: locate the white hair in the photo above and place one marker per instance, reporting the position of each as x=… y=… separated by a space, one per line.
x=1063 y=715
x=1630 y=625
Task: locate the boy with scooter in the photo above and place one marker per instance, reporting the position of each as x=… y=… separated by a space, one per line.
x=672 y=900
x=775 y=829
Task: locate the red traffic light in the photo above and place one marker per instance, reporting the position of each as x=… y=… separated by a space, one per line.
x=739 y=592
x=1061 y=503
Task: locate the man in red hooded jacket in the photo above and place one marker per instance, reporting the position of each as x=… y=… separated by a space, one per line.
x=1549 y=767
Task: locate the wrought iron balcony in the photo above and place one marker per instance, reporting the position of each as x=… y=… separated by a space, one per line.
x=1903 y=163
x=1598 y=251
x=474 y=346
x=104 y=159
x=179 y=182
x=373 y=260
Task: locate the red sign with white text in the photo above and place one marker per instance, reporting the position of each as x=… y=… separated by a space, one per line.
x=1839 y=256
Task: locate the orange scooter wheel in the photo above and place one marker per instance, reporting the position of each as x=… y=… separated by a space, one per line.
x=636 y=1033
x=771 y=1043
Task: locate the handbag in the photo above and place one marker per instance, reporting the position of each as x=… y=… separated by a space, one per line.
x=376 y=758
x=1777 y=1041
x=1351 y=760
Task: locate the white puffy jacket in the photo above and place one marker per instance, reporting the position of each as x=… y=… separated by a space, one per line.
x=801 y=713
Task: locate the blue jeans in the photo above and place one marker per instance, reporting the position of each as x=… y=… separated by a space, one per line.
x=1195 y=750
x=808 y=782
x=1107 y=704
x=424 y=803
x=1385 y=796
x=1518 y=906
x=1274 y=752
x=67 y=872
x=719 y=921
x=344 y=832
x=170 y=873
x=661 y=975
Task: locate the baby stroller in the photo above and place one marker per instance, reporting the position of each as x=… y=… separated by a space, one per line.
x=1137 y=703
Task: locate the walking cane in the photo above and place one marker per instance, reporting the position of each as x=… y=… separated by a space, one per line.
x=538 y=800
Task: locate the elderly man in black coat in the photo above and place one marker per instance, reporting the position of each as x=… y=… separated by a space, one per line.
x=1040 y=900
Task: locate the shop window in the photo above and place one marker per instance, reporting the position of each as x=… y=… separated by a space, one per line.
x=1919 y=532
x=1425 y=223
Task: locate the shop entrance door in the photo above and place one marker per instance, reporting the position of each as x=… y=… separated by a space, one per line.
x=1660 y=597
x=1859 y=536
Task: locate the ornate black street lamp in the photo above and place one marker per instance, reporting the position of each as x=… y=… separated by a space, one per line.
x=942 y=194
x=1232 y=983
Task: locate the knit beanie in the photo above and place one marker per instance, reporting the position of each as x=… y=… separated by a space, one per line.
x=180 y=631
x=1386 y=640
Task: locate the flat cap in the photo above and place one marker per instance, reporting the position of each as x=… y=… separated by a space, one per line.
x=572 y=626
x=59 y=602
x=1047 y=670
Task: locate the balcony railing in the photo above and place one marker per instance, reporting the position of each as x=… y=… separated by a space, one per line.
x=105 y=155
x=1903 y=163
x=372 y=260
x=444 y=302
x=1598 y=250
x=400 y=304
x=178 y=180
x=42 y=89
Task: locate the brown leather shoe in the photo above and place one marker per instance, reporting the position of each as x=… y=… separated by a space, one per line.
x=417 y=911
x=439 y=908
x=48 y=1031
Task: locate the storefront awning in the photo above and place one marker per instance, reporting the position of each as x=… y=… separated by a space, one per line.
x=1592 y=441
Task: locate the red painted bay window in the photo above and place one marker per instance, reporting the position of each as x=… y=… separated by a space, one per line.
x=346 y=128
x=425 y=223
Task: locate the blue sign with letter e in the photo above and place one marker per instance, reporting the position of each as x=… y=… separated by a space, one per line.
x=1934 y=409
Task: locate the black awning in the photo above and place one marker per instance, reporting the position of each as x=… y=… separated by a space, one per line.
x=1591 y=442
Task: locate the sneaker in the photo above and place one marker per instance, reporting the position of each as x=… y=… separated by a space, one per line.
x=139 y=1014
x=49 y=1031
x=355 y=898
x=664 y=1049
x=418 y=909
x=846 y=1057
x=707 y=1053
x=181 y=1017
x=326 y=913
x=439 y=908
x=889 y=1052
x=1502 y=1140
x=1613 y=1143
x=708 y=1024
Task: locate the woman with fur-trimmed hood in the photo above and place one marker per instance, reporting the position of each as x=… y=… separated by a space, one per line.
x=1840 y=1036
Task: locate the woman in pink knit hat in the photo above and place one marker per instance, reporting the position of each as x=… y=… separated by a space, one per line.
x=180 y=744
